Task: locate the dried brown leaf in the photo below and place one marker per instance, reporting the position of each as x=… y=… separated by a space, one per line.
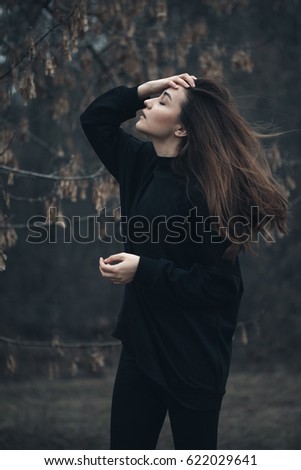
x=3 y=258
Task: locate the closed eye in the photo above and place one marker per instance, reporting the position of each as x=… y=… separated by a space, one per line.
x=160 y=102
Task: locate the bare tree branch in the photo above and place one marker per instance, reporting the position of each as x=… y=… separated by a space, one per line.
x=40 y=344
x=43 y=144
x=36 y=44
x=32 y=174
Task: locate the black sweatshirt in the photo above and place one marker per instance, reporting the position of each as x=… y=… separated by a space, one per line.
x=179 y=313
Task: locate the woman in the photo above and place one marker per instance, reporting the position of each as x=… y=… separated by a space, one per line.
x=193 y=196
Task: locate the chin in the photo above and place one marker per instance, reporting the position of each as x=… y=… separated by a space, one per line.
x=138 y=127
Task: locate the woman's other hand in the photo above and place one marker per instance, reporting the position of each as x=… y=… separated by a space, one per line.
x=121 y=273
x=158 y=86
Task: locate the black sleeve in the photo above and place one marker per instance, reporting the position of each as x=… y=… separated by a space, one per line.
x=200 y=285
x=213 y=283
x=101 y=123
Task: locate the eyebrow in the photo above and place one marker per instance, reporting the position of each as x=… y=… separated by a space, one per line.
x=165 y=93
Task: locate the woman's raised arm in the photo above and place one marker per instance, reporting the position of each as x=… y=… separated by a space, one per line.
x=101 y=123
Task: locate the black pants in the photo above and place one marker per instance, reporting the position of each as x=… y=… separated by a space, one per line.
x=139 y=407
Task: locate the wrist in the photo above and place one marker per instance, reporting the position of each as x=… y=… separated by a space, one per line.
x=144 y=90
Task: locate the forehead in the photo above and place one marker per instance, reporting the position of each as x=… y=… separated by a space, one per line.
x=177 y=95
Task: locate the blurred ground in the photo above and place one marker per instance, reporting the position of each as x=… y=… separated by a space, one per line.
x=260 y=411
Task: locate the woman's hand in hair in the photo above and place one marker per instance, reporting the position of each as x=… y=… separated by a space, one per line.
x=124 y=269
x=158 y=86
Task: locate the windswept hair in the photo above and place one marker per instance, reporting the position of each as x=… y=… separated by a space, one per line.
x=225 y=156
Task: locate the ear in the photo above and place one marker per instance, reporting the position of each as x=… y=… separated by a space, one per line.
x=180 y=131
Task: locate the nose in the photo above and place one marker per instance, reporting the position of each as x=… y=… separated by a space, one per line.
x=147 y=103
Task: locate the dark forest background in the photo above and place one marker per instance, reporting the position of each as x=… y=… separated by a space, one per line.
x=54 y=59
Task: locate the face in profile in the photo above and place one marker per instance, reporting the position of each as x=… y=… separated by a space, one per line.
x=160 y=117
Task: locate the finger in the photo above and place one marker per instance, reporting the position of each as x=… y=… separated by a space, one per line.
x=188 y=78
x=116 y=257
x=192 y=80
x=106 y=263
x=173 y=84
x=186 y=75
x=184 y=82
x=180 y=81
x=109 y=277
x=107 y=268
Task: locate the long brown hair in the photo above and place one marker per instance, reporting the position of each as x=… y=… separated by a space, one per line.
x=225 y=156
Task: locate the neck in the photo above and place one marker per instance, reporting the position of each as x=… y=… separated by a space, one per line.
x=166 y=149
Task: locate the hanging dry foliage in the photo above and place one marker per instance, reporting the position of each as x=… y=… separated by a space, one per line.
x=50 y=206
x=209 y=66
x=67 y=189
x=6 y=153
x=50 y=66
x=26 y=86
x=241 y=60
x=97 y=360
x=8 y=237
x=60 y=107
x=83 y=186
x=66 y=46
x=103 y=190
x=11 y=364
x=161 y=10
x=3 y=258
x=74 y=366
x=55 y=343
